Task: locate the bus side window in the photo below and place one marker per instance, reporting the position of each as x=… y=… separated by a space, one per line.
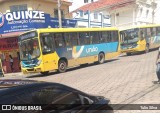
x=153 y=32
x=158 y=31
x=84 y=38
x=59 y=40
x=47 y=43
x=106 y=36
x=94 y=37
x=73 y=38
x=148 y=32
x=67 y=39
x=102 y=37
x=143 y=34
x=122 y=35
x=114 y=35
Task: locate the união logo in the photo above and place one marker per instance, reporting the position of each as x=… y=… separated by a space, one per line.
x=76 y=54
x=1 y=19
x=92 y=49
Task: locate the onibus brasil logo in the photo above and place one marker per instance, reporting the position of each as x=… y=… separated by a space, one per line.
x=1 y=19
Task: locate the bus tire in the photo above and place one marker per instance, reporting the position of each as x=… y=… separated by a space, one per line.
x=101 y=58
x=147 y=48
x=45 y=73
x=62 y=66
x=128 y=54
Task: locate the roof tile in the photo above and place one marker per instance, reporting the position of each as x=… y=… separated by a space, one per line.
x=101 y=4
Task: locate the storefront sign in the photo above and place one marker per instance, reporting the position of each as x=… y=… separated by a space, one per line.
x=29 y=20
x=22 y=15
x=8 y=43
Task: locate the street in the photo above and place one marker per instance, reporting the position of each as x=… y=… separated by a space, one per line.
x=125 y=80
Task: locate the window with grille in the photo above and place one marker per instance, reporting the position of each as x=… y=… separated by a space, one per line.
x=15 y=8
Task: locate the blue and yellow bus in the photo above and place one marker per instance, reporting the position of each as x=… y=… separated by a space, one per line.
x=140 y=38
x=44 y=50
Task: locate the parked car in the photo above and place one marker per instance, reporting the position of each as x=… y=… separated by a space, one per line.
x=52 y=98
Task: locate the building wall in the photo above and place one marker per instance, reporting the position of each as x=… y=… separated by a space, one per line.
x=156 y=12
x=47 y=6
x=122 y=18
x=88 y=20
x=43 y=5
x=78 y=3
x=139 y=12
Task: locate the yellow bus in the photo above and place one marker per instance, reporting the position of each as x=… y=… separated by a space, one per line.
x=44 y=50
x=140 y=38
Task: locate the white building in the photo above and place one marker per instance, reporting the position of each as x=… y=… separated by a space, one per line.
x=87 y=16
x=157 y=12
x=132 y=12
x=123 y=13
x=78 y=3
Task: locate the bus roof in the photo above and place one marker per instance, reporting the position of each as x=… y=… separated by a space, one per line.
x=141 y=26
x=72 y=29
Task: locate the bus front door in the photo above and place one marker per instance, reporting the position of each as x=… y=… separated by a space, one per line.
x=50 y=61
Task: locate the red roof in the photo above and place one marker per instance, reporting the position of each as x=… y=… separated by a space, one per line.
x=103 y=3
x=65 y=1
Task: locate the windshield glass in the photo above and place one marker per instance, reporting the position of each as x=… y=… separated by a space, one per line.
x=129 y=36
x=29 y=49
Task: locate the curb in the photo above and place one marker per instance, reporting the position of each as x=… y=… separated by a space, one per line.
x=13 y=74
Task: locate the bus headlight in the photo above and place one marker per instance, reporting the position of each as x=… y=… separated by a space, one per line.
x=39 y=62
x=22 y=65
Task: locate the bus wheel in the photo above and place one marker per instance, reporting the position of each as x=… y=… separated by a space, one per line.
x=62 y=66
x=101 y=58
x=147 y=48
x=128 y=54
x=45 y=73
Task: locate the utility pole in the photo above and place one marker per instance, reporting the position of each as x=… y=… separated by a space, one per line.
x=154 y=6
x=59 y=14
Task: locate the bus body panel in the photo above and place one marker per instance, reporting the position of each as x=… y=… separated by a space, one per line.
x=87 y=50
x=75 y=55
x=150 y=37
x=50 y=61
x=154 y=42
x=141 y=45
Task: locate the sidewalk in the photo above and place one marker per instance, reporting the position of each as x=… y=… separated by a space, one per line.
x=13 y=74
x=16 y=75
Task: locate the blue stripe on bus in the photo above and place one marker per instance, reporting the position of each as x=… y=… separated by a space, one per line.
x=87 y=50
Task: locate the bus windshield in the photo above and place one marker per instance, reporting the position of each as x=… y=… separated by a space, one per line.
x=29 y=48
x=129 y=36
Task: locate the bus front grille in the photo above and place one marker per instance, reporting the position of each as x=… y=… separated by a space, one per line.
x=30 y=69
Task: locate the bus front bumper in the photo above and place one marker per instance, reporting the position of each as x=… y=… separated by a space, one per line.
x=133 y=50
x=129 y=50
x=31 y=70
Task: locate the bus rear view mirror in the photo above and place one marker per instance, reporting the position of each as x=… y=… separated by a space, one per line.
x=46 y=51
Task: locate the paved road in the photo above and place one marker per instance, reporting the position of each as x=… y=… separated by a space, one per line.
x=125 y=80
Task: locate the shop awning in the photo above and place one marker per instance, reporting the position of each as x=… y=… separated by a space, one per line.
x=7 y=44
x=7 y=35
